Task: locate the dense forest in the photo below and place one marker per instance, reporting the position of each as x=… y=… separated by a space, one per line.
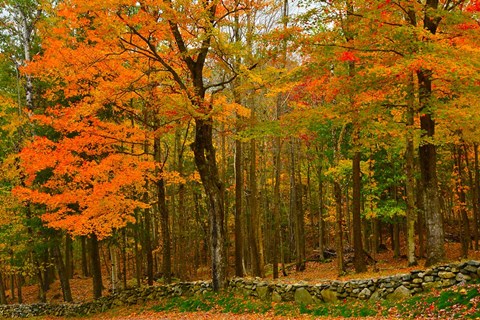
x=157 y=140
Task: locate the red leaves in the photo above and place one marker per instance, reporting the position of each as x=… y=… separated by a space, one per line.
x=348 y=56
x=474 y=6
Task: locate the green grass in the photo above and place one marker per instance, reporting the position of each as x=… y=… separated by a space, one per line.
x=455 y=302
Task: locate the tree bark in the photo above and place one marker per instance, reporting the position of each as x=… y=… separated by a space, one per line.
x=428 y=166
x=164 y=217
x=62 y=274
x=69 y=256
x=465 y=232
x=95 y=267
x=238 y=209
x=475 y=196
x=205 y=160
x=338 y=228
x=85 y=270
x=428 y=152
x=3 y=296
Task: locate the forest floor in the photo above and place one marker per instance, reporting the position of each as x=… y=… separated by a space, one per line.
x=315 y=272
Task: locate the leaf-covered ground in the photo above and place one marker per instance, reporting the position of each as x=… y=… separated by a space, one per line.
x=456 y=302
x=314 y=273
x=460 y=302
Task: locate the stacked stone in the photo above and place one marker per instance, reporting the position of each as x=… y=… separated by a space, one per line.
x=393 y=288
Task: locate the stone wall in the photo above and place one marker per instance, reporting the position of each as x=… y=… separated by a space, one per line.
x=392 y=287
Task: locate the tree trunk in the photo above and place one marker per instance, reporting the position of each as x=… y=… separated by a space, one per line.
x=69 y=256
x=164 y=217
x=254 y=235
x=147 y=242
x=3 y=296
x=205 y=160
x=428 y=166
x=85 y=271
x=338 y=228
x=62 y=274
x=396 y=238
x=476 y=196
x=238 y=209
x=410 y=176
x=95 y=266
x=359 y=257
x=19 y=288
x=428 y=153
x=465 y=232
x=321 y=226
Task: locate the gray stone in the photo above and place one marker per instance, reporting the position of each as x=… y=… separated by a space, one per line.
x=462 y=277
x=429 y=285
x=263 y=293
x=399 y=294
x=446 y=274
x=377 y=295
x=302 y=296
x=471 y=269
x=365 y=294
x=276 y=297
x=329 y=295
x=428 y=279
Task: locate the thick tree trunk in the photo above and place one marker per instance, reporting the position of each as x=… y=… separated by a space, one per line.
x=96 y=267
x=428 y=152
x=428 y=167
x=205 y=160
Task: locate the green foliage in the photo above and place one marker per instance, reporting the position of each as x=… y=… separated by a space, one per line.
x=223 y=303
x=456 y=302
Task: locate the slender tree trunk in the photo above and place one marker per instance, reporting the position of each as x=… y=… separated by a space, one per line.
x=69 y=256
x=3 y=296
x=164 y=217
x=410 y=178
x=19 y=288
x=465 y=232
x=85 y=271
x=62 y=274
x=396 y=238
x=321 y=226
x=254 y=236
x=359 y=257
x=238 y=209
x=124 y=258
x=338 y=228
x=96 y=267
x=476 y=196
